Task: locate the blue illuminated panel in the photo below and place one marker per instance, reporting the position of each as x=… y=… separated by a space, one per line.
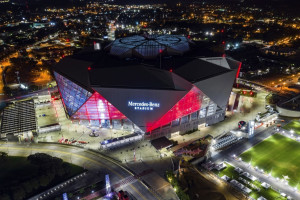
x=73 y=95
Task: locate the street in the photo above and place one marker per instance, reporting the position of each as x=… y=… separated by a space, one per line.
x=90 y=160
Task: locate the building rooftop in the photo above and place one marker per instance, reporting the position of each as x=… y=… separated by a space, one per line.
x=99 y=68
x=149 y=46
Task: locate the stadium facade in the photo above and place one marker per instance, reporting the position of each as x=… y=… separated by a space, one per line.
x=157 y=100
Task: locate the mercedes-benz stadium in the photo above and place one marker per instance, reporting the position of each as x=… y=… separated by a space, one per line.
x=112 y=88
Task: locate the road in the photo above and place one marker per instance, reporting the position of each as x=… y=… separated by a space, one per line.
x=90 y=160
x=242 y=146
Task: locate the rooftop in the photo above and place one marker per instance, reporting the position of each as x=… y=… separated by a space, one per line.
x=98 y=68
x=149 y=46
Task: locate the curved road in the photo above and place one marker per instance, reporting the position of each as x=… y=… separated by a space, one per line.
x=90 y=160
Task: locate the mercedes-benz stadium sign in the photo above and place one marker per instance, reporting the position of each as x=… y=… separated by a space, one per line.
x=143 y=105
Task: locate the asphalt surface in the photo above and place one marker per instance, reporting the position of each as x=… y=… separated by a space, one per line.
x=90 y=160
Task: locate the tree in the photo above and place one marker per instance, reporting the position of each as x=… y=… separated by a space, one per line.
x=81 y=191
x=60 y=171
x=182 y=195
x=18 y=193
x=27 y=186
x=44 y=180
x=5 y=197
x=34 y=183
x=67 y=168
x=3 y=156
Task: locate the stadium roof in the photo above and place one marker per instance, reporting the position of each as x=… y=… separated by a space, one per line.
x=136 y=73
x=133 y=76
x=199 y=69
x=149 y=46
x=138 y=77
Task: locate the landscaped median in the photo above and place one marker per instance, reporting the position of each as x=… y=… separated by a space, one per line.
x=175 y=184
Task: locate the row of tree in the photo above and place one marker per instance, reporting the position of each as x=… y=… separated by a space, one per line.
x=49 y=168
x=182 y=195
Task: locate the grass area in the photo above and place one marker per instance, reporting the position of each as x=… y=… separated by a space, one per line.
x=270 y=194
x=15 y=170
x=278 y=154
x=228 y=171
x=293 y=125
x=266 y=193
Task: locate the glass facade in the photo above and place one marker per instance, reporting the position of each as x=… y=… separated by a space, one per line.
x=73 y=96
x=98 y=108
x=190 y=103
x=84 y=105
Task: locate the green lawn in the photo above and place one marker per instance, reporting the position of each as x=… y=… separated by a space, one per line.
x=293 y=125
x=267 y=193
x=279 y=154
x=228 y=171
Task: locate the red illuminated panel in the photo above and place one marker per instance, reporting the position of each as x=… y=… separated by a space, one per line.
x=238 y=71
x=190 y=103
x=98 y=108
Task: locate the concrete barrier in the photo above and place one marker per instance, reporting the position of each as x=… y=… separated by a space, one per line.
x=287 y=112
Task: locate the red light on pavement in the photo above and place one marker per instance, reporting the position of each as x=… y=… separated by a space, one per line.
x=171 y=70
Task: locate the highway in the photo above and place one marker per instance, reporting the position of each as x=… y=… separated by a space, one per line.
x=90 y=160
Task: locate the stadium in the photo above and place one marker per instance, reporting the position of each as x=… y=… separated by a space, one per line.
x=146 y=84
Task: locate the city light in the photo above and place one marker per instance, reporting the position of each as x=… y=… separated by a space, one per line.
x=106 y=84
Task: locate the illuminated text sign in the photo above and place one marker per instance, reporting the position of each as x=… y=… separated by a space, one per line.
x=143 y=105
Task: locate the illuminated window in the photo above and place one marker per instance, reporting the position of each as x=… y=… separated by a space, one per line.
x=190 y=103
x=202 y=113
x=73 y=95
x=98 y=108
